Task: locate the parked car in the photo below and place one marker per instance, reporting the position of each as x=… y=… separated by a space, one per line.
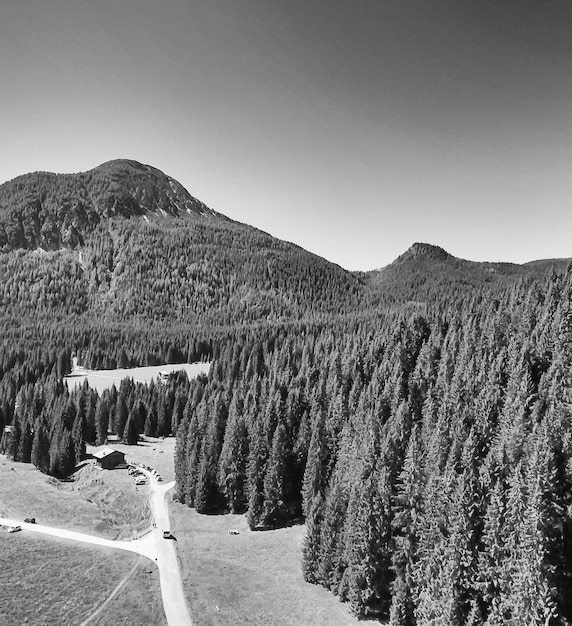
x=30 y=520
x=15 y=529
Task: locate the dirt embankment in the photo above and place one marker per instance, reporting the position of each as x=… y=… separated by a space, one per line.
x=123 y=509
x=100 y=502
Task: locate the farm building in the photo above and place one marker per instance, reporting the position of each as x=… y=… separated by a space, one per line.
x=108 y=458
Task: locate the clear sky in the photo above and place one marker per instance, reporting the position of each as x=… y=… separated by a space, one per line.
x=352 y=128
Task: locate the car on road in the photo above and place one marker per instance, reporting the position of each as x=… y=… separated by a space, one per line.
x=167 y=534
x=15 y=529
x=30 y=520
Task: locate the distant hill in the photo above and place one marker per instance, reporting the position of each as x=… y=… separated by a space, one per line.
x=425 y=270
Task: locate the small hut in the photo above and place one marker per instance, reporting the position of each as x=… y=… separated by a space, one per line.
x=108 y=458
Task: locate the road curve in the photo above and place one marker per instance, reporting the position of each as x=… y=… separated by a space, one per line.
x=144 y=546
x=152 y=545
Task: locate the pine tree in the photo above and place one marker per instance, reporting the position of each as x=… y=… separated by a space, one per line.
x=368 y=541
x=40 y=456
x=408 y=507
x=130 y=433
x=233 y=460
x=330 y=561
x=101 y=421
x=77 y=437
x=275 y=509
x=120 y=416
x=256 y=471
x=25 y=443
x=207 y=497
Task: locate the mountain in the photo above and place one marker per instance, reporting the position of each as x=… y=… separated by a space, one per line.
x=125 y=239
x=50 y=211
x=425 y=271
x=424 y=252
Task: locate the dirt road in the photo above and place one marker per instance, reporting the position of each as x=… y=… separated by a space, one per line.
x=174 y=601
x=152 y=545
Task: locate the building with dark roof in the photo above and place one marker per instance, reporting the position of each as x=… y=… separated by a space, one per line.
x=108 y=458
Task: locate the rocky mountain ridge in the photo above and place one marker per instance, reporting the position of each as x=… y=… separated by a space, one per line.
x=50 y=211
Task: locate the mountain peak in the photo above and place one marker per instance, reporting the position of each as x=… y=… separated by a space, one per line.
x=424 y=250
x=49 y=210
x=144 y=188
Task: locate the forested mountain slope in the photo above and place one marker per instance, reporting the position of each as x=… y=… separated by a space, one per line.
x=53 y=210
x=425 y=270
x=417 y=418
x=126 y=240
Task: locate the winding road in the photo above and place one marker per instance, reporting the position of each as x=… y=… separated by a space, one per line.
x=152 y=545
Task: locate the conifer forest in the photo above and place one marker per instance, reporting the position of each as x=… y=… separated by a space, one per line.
x=417 y=419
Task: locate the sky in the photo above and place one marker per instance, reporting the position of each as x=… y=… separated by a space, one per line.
x=352 y=129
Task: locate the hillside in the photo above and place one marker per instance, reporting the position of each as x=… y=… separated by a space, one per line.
x=125 y=245
x=124 y=239
x=425 y=271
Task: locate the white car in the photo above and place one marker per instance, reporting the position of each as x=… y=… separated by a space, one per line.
x=15 y=529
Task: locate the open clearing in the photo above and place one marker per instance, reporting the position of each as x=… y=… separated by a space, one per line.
x=249 y=578
x=154 y=452
x=56 y=582
x=100 y=380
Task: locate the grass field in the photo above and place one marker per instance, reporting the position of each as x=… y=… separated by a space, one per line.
x=56 y=582
x=249 y=578
x=50 y=581
x=105 y=379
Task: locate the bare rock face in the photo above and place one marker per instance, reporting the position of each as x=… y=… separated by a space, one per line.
x=50 y=211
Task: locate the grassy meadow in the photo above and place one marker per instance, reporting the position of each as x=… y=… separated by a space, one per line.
x=100 y=380
x=249 y=578
x=46 y=581
x=53 y=581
